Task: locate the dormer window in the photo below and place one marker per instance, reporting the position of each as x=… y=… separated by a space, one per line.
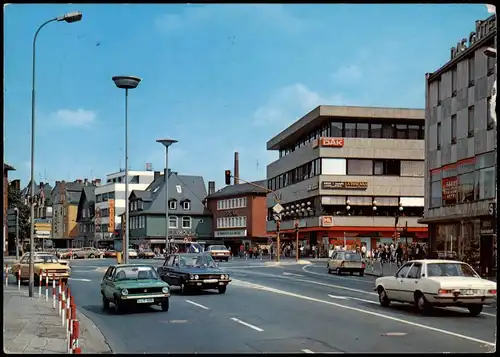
x=186 y=205
x=140 y=205
x=172 y=204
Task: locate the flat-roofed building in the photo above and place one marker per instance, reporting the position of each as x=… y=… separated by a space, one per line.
x=460 y=173
x=349 y=172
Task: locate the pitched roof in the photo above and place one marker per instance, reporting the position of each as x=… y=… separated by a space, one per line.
x=180 y=188
x=46 y=189
x=7 y=167
x=240 y=190
x=89 y=193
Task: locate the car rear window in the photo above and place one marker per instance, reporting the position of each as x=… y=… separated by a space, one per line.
x=352 y=257
x=218 y=247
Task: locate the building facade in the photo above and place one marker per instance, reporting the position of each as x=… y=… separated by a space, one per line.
x=460 y=173
x=110 y=202
x=239 y=214
x=43 y=211
x=345 y=173
x=5 y=242
x=189 y=219
x=65 y=199
x=85 y=218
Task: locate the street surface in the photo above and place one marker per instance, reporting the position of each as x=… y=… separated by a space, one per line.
x=289 y=308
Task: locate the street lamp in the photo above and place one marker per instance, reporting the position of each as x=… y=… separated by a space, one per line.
x=69 y=18
x=166 y=143
x=126 y=82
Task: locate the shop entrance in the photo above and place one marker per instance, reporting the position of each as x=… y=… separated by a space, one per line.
x=486 y=256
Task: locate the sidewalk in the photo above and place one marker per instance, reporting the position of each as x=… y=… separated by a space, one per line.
x=33 y=326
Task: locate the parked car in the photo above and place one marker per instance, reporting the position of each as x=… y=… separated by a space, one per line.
x=428 y=283
x=130 y=285
x=63 y=253
x=110 y=253
x=146 y=254
x=132 y=253
x=219 y=252
x=44 y=263
x=193 y=271
x=86 y=252
x=346 y=261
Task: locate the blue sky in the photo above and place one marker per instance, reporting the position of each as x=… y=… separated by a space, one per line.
x=217 y=78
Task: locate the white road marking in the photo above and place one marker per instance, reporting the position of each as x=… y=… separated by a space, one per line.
x=337 y=297
x=384 y=316
x=247 y=324
x=292 y=274
x=461 y=309
x=77 y=279
x=394 y=334
x=364 y=300
x=196 y=304
x=305 y=350
x=346 y=277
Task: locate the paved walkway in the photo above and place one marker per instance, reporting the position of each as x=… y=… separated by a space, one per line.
x=33 y=326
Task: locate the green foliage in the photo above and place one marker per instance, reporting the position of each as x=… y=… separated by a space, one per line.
x=15 y=200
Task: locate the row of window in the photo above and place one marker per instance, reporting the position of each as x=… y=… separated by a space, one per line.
x=137 y=222
x=172 y=205
x=232 y=222
x=343 y=167
x=360 y=129
x=105 y=196
x=86 y=228
x=120 y=179
x=471 y=74
x=174 y=222
x=232 y=203
x=136 y=206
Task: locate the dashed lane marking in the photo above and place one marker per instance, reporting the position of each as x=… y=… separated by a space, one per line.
x=337 y=297
x=394 y=334
x=373 y=313
x=78 y=279
x=305 y=350
x=325 y=275
x=196 y=304
x=291 y=274
x=247 y=324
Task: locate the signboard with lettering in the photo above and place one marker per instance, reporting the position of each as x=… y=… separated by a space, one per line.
x=327 y=221
x=230 y=233
x=111 y=222
x=332 y=142
x=97 y=220
x=336 y=185
x=449 y=190
x=483 y=29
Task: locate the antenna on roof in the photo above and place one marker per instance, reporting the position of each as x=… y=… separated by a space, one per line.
x=257 y=165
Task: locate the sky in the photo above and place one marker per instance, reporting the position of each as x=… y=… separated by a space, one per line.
x=217 y=78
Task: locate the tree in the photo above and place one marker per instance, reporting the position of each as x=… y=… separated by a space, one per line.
x=16 y=201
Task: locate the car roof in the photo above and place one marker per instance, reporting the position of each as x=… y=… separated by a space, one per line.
x=131 y=265
x=428 y=261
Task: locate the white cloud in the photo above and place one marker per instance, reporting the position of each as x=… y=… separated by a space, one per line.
x=192 y=17
x=78 y=117
x=290 y=103
x=348 y=74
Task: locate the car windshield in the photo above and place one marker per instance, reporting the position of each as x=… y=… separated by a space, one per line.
x=218 y=247
x=136 y=273
x=450 y=269
x=196 y=261
x=352 y=256
x=147 y=250
x=46 y=259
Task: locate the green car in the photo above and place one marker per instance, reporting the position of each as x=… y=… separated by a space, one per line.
x=130 y=285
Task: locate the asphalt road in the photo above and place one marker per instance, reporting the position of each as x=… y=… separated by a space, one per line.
x=295 y=308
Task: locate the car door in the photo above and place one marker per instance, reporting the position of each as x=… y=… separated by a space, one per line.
x=411 y=282
x=24 y=265
x=394 y=285
x=166 y=269
x=105 y=281
x=331 y=261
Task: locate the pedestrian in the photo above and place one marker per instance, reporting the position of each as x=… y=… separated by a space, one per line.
x=399 y=256
x=363 y=251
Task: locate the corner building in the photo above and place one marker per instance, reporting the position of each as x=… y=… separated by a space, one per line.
x=460 y=144
x=347 y=173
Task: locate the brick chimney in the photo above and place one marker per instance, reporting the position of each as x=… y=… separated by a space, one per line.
x=211 y=187
x=157 y=174
x=96 y=182
x=236 y=168
x=78 y=181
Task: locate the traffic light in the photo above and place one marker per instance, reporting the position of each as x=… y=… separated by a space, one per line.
x=228 y=177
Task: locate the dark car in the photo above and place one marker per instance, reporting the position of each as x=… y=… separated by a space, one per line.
x=194 y=271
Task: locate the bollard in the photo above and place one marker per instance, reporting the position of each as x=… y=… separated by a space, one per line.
x=6 y=275
x=53 y=291
x=68 y=317
x=19 y=279
x=59 y=296
x=40 y=280
x=70 y=327
x=63 y=313
x=76 y=336
x=46 y=286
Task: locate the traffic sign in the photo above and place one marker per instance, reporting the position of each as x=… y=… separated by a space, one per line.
x=277 y=208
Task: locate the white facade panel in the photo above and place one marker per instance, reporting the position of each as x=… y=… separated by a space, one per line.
x=331 y=166
x=412 y=201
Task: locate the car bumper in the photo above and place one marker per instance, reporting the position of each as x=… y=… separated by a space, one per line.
x=354 y=269
x=462 y=300
x=145 y=296
x=207 y=285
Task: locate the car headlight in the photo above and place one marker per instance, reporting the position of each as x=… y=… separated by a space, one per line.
x=164 y=290
x=124 y=292
x=191 y=277
x=227 y=276
x=222 y=276
x=68 y=270
x=196 y=277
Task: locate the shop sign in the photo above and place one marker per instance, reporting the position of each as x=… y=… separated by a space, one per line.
x=327 y=221
x=332 y=142
x=487 y=227
x=449 y=190
x=333 y=185
x=483 y=29
x=230 y=233
x=230 y=214
x=312 y=187
x=111 y=222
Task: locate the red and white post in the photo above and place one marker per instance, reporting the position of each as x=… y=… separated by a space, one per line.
x=6 y=275
x=59 y=295
x=19 y=279
x=53 y=291
x=46 y=286
x=40 y=277
x=75 y=339
x=63 y=312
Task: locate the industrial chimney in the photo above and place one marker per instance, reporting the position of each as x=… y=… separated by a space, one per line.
x=236 y=168
x=211 y=187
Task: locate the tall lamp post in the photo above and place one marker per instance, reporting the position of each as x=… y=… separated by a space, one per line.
x=126 y=82
x=166 y=143
x=69 y=18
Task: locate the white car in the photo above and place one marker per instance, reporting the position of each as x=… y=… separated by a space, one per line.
x=132 y=253
x=428 y=283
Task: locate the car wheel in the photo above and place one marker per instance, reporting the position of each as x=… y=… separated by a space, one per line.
x=165 y=304
x=118 y=306
x=91 y=256
x=351 y=273
x=222 y=289
x=475 y=310
x=75 y=256
x=421 y=302
x=105 y=303
x=383 y=298
x=329 y=271
x=361 y=273
x=338 y=271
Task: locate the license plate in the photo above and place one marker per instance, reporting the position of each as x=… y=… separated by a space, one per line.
x=468 y=292
x=210 y=280
x=145 y=301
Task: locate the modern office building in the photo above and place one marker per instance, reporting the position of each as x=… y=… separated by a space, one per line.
x=347 y=173
x=460 y=172
x=110 y=202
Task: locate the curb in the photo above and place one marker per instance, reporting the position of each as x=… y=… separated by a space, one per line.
x=94 y=336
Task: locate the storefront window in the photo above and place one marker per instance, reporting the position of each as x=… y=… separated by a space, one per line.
x=466 y=187
x=449 y=190
x=436 y=194
x=447 y=241
x=486 y=183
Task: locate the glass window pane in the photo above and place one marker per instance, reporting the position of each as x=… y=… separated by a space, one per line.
x=376 y=131
x=436 y=194
x=350 y=130
x=413 y=132
x=336 y=130
x=487 y=183
x=466 y=187
x=388 y=131
x=362 y=130
x=401 y=131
